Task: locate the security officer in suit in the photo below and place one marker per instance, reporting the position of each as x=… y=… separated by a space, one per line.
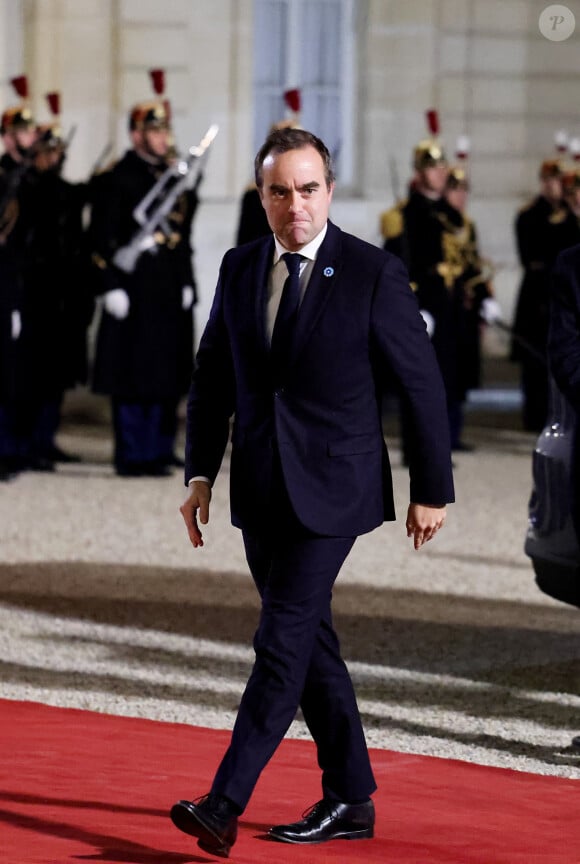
x=145 y=339
x=304 y=327
x=543 y=229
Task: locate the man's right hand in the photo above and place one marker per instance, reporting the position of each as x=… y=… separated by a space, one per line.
x=199 y=498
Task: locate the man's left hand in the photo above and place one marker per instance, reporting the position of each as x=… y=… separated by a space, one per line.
x=423 y=522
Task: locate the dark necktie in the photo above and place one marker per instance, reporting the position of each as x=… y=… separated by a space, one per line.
x=287 y=310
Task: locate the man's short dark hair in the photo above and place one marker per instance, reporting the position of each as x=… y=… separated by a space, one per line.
x=283 y=140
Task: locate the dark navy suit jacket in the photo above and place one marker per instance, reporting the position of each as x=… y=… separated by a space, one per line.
x=358 y=323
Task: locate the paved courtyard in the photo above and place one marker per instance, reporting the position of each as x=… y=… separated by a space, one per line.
x=454 y=650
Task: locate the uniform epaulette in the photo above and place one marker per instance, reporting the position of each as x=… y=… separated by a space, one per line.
x=392 y=221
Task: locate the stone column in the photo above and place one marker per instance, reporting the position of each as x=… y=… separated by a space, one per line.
x=11 y=48
x=70 y=49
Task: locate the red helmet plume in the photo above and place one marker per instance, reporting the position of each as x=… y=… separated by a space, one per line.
x=158 y=80
x=20 y=84
x=292 y=99
x=432 y=117
x=53 y=100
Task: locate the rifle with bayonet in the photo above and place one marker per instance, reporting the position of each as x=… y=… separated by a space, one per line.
x=152 y=211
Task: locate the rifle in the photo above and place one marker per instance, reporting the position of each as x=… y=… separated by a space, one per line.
x=152 y=211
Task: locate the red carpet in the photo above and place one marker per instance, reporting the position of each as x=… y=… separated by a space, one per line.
x=78 y=786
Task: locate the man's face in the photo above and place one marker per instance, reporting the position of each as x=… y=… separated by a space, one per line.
x=552 y=188
x=457 y=197
x=295 y=196
x=48 y=159
x=152 y=142
x=434 y=177
x=19 y=140
x=25 y=137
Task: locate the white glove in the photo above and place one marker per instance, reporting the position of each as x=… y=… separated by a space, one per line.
x=429 y=322
x=490 y=310
x=186 y=297
x=16 y=322
x=117 y=303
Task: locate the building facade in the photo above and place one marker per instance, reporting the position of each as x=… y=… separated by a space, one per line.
x=367 y=71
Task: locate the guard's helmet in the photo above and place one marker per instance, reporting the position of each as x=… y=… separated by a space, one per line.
x=429 y=151
x=149 y=115
x=50 y=137
x=457 y=178
x=550 y=168
x=16 y=117
x=571 y=180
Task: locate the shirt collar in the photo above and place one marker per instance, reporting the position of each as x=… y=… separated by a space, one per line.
x=309 y=251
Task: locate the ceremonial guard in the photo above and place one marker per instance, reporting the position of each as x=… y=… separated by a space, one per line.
x=18 y=132
x=473 y=295
x=543 y=228
x=56 y=307
x=145 y=339
x=421 y=230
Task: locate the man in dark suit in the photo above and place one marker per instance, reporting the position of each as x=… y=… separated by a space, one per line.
x=144 y=345
x=300 y=361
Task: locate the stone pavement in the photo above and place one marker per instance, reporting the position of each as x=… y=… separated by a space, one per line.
x=453 y=649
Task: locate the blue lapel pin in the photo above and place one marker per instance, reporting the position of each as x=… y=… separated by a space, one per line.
x=328 y=271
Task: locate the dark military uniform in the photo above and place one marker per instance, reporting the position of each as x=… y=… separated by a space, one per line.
x=470 y=289
x=439 y=246
x=55 y=308
x=252 y=223
x=11 y=299
x=10 y=286
x=542 y=231
x=422 y=242
x=143 y=361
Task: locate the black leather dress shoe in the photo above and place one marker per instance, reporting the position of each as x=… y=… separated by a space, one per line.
x=329 y=820
x=211 y=819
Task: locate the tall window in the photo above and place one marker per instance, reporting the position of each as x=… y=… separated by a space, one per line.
x=306 y=45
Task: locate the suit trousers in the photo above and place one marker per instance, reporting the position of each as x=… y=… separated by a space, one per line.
x=297 y=663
